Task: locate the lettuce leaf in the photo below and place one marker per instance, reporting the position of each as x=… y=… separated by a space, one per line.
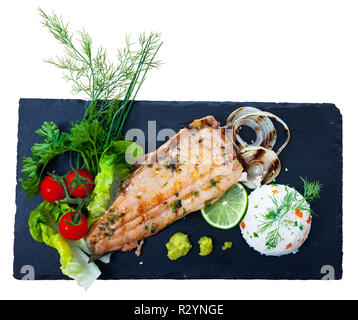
x=43 y=223
x=114 y=169
x=78 y=268
x=115 y=164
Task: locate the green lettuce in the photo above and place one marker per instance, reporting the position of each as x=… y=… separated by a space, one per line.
x=115 y=164
x=43 y=224
x=114 y=169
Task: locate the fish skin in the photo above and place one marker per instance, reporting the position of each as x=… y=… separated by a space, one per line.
x=195 y=166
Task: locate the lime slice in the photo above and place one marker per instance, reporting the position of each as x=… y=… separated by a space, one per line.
x=229 y=210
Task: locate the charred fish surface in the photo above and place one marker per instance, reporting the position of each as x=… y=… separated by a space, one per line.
x=193 y=168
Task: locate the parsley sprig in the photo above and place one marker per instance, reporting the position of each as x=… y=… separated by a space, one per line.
x=53 y=144
x=85 y=139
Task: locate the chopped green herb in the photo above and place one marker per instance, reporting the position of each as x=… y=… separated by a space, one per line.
x=153 y=228
x=213 y=183
x=179 y=205
x=173 y=206
x=170 y=166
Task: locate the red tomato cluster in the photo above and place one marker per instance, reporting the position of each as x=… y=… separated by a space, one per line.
x=52 y=191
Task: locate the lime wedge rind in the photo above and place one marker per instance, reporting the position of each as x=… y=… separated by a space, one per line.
x=229 y=210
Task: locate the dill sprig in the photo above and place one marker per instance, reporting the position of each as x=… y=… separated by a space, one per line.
x=311 y=189
x=111 y=87
x=275 y=216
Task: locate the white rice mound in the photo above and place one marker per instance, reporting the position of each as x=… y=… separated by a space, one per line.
x=292 y=234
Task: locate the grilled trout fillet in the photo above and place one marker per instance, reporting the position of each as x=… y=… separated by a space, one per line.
x=193 y=168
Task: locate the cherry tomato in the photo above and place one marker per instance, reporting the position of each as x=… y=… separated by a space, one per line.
x=72 y=232
x=80 y=191
x=51 y=190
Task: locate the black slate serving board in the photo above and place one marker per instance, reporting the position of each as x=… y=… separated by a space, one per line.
x=315 y=151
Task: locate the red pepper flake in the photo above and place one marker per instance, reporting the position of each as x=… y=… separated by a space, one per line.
x=243 y=225
x=289 y=246
x=308 y=221
x=275 y=191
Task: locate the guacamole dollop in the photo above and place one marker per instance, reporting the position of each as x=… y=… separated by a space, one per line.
x=206 y=246
x=227 y=245
x=178 y=246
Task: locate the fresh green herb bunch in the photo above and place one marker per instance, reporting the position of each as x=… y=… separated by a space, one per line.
x=111 y=88
x=86 y=139
x=276 y=217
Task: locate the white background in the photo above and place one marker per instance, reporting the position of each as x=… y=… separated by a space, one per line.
x=285 y=51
